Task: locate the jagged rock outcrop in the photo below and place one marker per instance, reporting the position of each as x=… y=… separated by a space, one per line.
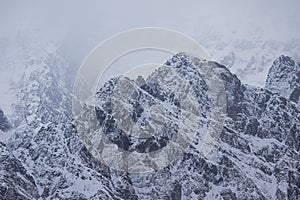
x=16 y=181
x=4 y=123
x=255 y=157
x=284 y=78
x=45 y=143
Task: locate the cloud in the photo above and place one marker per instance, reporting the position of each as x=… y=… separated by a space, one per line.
x=80 y=25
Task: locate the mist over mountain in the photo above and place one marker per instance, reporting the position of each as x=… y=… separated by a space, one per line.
x=256 y=156
x=255 y=48
x=244 y=36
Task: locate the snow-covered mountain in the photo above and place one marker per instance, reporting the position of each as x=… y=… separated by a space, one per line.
x=45 y=142
x=255 y=157
x=284 y=78
x=250 y=58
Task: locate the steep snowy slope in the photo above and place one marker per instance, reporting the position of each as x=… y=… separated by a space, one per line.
x=284 y=78
x=255 y=157
x=16 y=182
x=45 y=143
x=249 y=58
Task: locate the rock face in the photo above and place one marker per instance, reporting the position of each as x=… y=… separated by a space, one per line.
x=251 y=158
x=284 y=78
x=4 y=123
x=150 y=111
x=16 y=182
x=46 y=146
x=255 y=157
x=146 y=113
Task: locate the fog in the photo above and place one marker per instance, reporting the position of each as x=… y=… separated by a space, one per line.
x=79 y=26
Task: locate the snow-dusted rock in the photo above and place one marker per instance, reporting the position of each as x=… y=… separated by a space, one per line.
x=4 y=122
x=255 y=157
x=284 y=78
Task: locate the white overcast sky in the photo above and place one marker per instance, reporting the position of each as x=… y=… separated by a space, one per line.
x=83 y=24
x=79 y=26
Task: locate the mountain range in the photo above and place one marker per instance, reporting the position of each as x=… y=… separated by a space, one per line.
x=256 y=155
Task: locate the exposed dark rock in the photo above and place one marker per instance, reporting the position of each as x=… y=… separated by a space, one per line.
x=258 y=148
x=284 y=78
x=4 y=123
x=228 y=195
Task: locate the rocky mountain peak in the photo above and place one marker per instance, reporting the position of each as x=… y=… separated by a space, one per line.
x=284 y=78
x=285 y=60
x=4 y=122
x=151 y=104
x=255 y=157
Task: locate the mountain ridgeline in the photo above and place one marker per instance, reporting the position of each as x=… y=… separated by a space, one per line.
x=255 y=157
